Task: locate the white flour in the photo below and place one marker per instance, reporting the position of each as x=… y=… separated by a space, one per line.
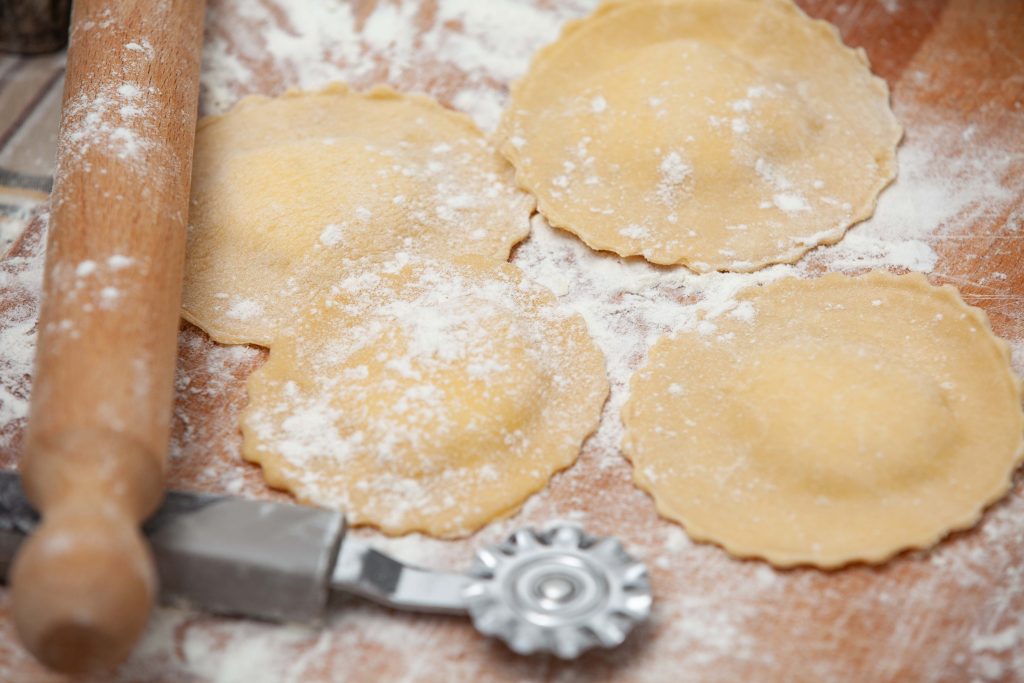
x=465 y=53
x=20 y=282
x=474 y=359
x=116 y=119
x=14 y=219
x=407 y=43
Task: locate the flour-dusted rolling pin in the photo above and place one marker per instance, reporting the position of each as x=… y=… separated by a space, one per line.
x=84 y=583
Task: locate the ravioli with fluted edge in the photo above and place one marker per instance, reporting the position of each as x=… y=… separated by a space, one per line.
x=287 y=193
x=828 y=421
x=717 y=134
x=427 y=396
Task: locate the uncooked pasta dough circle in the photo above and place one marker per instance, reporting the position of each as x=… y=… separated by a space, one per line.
x=430 y=396
x=289 y=192
x=828 y=421
x=718 y=134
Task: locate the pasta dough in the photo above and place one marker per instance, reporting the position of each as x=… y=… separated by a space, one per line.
x=428 y=396
x=827 y=421
x=718 y=134
x=289 y=192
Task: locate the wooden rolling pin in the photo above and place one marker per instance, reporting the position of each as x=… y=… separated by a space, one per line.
x=84 y=583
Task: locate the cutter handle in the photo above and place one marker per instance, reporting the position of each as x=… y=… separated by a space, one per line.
x=83 y=584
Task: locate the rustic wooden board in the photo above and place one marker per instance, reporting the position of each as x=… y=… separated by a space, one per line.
x=952 y=614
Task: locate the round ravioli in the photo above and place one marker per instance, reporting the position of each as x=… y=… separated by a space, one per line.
x=828 y=421
x=427 y=396
x=718 y=134
x=289 y=193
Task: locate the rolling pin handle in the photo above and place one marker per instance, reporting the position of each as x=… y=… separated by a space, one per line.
x=70 y=610
x=84 y=581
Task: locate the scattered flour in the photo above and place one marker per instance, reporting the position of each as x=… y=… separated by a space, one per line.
x=244 y=309
x=101 y=119
x=209 y=387
x=114 y=115
x=17 y=212
x=675 y=170
x=408 y=43
x=21 y=278
x=85 y=268
x=942 y=184
x=332 y=234
x=425 y=343
x=790 y=203
x=119 y=262
x=466 y=52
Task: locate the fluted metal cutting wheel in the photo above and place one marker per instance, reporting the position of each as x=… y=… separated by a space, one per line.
x=561 y=591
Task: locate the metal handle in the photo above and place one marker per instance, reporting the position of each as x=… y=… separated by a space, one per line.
x=226 y=555
x=381 y=578
x=561 y=590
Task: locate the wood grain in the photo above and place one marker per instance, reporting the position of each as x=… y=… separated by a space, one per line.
x=101 y=403
x=948 y=615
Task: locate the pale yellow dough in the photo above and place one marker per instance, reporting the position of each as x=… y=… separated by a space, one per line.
x=427 y=396
x=718 y=134
x=828 y=421
x=289 y=193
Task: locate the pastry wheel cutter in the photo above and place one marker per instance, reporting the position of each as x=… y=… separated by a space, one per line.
x=560 y=590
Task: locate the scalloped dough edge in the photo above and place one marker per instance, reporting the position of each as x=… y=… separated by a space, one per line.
x=377 y=92
x=791 y=255
x=969 y=520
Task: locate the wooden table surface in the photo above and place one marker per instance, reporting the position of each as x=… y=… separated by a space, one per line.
x=955 y=613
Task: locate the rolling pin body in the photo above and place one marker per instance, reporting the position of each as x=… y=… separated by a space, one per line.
x=99 y=423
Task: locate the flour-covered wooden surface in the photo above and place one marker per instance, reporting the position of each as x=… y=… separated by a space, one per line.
x=954 y=613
